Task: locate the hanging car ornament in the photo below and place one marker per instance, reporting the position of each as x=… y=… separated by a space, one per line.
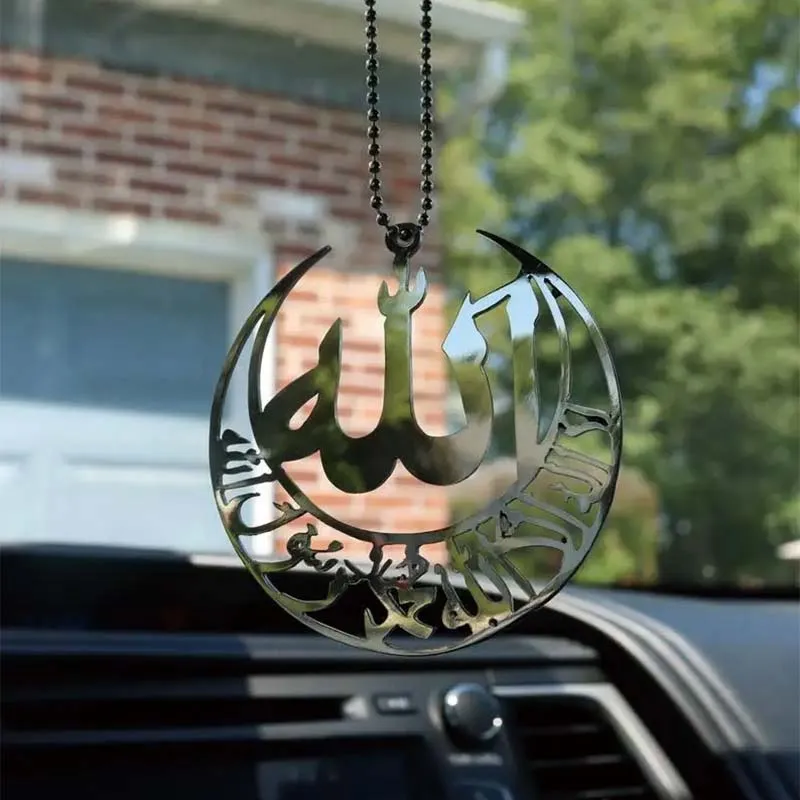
x=557 y=501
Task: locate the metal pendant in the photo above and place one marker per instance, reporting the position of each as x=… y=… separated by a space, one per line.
x=555 y=503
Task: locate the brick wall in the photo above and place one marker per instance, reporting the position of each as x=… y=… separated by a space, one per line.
x=78 y=136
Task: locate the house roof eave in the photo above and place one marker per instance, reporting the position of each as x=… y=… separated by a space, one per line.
x=461 y=26
x=477 y=21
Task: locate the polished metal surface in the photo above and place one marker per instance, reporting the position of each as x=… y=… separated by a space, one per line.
x=557 y=501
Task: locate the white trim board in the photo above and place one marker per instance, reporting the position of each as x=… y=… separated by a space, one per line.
x=119 y=241
x=469 y=20
x=463 y=25
x=124 y=241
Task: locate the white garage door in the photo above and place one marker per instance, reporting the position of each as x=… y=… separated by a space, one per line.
x=106 y=379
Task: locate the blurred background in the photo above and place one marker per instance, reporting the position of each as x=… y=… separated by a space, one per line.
x=162 y=162
x=649 y=153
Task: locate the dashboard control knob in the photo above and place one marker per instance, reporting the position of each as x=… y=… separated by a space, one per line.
x=472 y=715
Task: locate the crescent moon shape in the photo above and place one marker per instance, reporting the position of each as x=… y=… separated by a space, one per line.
x=529 y=263
x=266 y=310
x=469 y=541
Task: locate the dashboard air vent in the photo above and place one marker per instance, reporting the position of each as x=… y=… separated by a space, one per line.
x=572 y=751
x=82 y=701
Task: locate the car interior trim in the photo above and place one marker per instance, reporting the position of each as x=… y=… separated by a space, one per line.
x=651 y=758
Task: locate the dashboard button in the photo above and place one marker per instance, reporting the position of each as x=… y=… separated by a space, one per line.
x=482 y=791
x=472 y=715
x=395 y=704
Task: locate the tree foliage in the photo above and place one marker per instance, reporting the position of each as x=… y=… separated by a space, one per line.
x=648 y=152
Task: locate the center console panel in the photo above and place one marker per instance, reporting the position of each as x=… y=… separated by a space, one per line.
x=146 y=678
x=184 y=715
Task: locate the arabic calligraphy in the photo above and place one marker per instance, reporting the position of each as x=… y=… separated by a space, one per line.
x=557 y=502
x=437 y=460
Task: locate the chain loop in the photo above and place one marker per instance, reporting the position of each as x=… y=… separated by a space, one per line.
x=426 y=116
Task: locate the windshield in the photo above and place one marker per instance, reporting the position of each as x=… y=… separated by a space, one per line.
x=162 y=164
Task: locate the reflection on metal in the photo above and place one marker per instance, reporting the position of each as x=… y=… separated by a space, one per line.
x=559 y=500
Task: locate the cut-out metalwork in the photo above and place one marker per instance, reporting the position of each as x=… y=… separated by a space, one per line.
x=558 y=500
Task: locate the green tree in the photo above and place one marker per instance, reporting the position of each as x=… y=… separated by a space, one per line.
x=648 y=152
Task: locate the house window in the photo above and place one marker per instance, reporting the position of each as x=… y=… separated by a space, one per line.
x=110 y=338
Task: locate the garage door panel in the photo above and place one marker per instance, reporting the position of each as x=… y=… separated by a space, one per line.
x=96 y=433
x=19 y=506
x=105 y=478
x=164 y=506
x=106 y=381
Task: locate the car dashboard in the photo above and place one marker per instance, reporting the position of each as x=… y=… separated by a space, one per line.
x=150 y=675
